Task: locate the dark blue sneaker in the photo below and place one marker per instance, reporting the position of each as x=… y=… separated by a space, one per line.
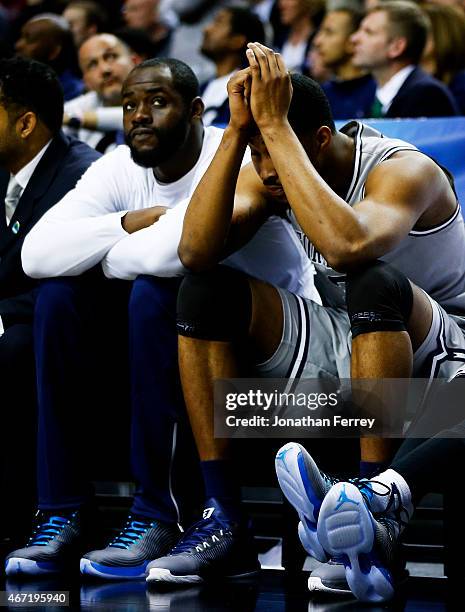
x=55 y=545
x=214 y=547
x=127 y=555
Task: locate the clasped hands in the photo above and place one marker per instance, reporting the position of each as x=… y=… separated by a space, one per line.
x=260 y=93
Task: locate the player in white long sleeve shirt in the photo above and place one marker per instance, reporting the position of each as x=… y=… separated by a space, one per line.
x=136 y=196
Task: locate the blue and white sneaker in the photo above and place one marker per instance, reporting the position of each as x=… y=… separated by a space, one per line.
x=55 y=545
x=128 y=554
x=348 y=529
x=305 y=487
x=213 y=548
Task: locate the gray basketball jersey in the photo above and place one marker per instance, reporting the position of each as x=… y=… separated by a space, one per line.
x=434 y=259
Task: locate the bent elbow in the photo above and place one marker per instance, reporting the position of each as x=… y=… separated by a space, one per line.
x=192 y=260
x=346 y=259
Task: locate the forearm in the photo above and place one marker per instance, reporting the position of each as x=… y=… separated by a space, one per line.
x=208 y=217
x=104 y=119
x=136 y=220
x=69 y=248
x=152 y=250
x=327 y=220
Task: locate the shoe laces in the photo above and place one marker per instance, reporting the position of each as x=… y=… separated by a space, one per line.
x=201 y=531
x=330 y=480
x=48 y=528
x=134 y=530
x=394 y=510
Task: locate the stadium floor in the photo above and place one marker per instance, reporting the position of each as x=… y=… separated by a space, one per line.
x=273 y=592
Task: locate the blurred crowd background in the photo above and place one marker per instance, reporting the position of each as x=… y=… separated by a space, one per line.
x=315 y=37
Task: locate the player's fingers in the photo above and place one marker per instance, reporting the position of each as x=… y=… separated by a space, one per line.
x=280 y=63
x=261 y=59
x=253 y=63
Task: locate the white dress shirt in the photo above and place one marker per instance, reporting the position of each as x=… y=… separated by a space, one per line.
x=389 y=90
x=24 y=175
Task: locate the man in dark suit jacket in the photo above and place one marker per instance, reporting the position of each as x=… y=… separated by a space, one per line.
x=390 y=43
x=38 y=166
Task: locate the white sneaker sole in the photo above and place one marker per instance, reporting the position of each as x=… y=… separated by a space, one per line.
x=159 y=574
x=18 y=566
x=294 y=483
x=346 y=528
x=315 y=585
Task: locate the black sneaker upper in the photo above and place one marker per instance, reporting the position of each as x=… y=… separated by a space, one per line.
x=213 y=545
x=140 y=540
x=55 y=538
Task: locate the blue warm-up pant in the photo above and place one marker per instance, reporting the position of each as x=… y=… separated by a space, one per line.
x=103 y=346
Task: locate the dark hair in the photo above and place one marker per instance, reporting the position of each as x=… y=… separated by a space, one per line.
x=406 y=19
x=309 y=108
x=59 y=33
x=184 y=80
x=138 y=41
x=95 y=14
x=27 y=85
x=355 y=13
x=246 y=23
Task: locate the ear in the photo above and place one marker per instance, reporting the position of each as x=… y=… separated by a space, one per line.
x=54 y=52
x=396 y=47
x=323 y=138
x=136 y=59
x=197 y=108
x=26 y=124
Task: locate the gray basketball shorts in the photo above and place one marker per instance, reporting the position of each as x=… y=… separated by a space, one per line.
x=316 y=343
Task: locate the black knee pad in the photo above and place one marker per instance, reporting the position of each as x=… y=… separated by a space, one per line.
x=379 y=298
x=214 y=305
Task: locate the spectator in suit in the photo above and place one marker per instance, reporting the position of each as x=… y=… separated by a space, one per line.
x=390 y=44
x=225 y=41
x=351 y=91
x=38 y=165
x=47 y=38
x=444 y=54
x=96 y=117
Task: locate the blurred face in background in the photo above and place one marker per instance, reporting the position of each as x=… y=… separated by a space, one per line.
x=105 y=63
x=38 y=41
x=333 y=39
x=372 y=41
x=140 y=14
x=77 y=18
x=218 y=39
x=292 y=11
